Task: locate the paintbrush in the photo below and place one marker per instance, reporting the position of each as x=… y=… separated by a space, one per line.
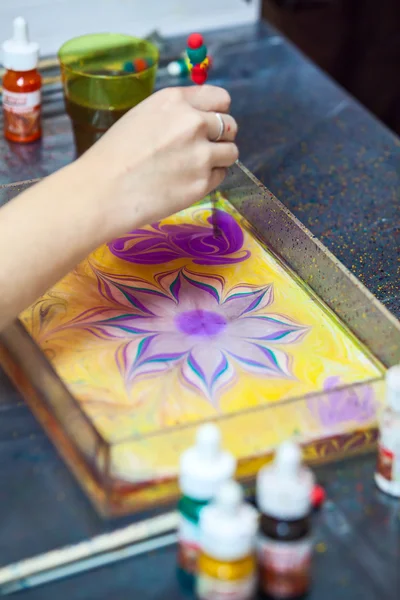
x=214 y=214
x=104 y=549
x=198 y=63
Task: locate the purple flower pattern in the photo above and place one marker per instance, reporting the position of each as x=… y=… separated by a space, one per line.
x=189 y=322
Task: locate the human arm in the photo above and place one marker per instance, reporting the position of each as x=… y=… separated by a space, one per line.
x=158 y=159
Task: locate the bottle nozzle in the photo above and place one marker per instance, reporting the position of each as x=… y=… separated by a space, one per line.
x=288 y=458
x=393 y=377
x=19 y=54
x=208 y=440
x=20 y=27
x=229 y=496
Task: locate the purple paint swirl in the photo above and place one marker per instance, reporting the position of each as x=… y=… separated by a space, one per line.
x=343 y=405
x=163 y=243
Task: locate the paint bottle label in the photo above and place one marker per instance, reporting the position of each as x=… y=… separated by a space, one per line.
x=386 y=462
x=21 y=113
x=387 y=474
x=285 y=567
x=188 y=545
x=209 y=588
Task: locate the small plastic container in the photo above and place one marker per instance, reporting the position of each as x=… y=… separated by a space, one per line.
x=203 y=469
x=284 y=492
x=227 y=564
x=387 y=475
x=22 y=85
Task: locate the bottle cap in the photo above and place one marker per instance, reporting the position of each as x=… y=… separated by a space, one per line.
x=393 y=387
x=205 y=466
x=284 y=489
x=228 y=526
x=318 y=496
x=19 y=54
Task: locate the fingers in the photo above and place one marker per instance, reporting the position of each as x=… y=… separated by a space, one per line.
x=224 y=154
x=214 y=127
x=217 y=177
x=208 y=98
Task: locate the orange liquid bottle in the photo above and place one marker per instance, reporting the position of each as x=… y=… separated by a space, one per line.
x=22 y=85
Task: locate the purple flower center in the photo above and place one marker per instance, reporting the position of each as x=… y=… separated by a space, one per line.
x=200 y=322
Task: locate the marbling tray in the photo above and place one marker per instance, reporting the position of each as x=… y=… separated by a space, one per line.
x=258 y=328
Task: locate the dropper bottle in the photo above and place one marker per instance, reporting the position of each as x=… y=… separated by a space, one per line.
x=285 y=546
x=21 y=86
x=227 y=563
x=387 y=476
x=203 y=468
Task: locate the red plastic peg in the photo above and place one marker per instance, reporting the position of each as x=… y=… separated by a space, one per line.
x=199 y=75
x=195 y=41
x=140 y=65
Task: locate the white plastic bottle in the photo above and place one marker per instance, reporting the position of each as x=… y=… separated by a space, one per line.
x=227 y=563
x=387 y=476
x=285 y=544
x=203 y=469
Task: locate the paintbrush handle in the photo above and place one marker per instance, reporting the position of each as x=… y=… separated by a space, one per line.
x=108 y=541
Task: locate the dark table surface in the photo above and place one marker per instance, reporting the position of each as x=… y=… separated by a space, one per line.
x=338 y=170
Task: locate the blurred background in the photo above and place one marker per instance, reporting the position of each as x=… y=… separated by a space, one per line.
x=52 y=22
x=356 y=41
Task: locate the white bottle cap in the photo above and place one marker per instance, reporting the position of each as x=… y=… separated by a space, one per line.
x=284 y=488
x=228 y=526
x=393 y=387
x=204 y=467
x=19 y=54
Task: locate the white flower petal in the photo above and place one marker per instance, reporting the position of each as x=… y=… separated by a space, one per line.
x=260 y=359
x=195 y=295
x=153 y=353
x=245 y=301
x=271 y=328
x=207 y=369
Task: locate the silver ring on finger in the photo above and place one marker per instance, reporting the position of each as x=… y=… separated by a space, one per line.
x=221 y=127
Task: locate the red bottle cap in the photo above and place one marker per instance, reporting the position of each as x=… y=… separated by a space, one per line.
x=318 y=496
x=195 y=41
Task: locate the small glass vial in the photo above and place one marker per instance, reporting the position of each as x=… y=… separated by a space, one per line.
x=284 y=493
x=22 y=85
x=203 y=468
x=227 y=564
x=387 y=476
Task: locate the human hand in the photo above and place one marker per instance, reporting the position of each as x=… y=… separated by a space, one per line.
x=160 y=157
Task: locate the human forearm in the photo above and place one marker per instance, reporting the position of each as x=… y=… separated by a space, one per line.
x=162 y=156
x=45 y=232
